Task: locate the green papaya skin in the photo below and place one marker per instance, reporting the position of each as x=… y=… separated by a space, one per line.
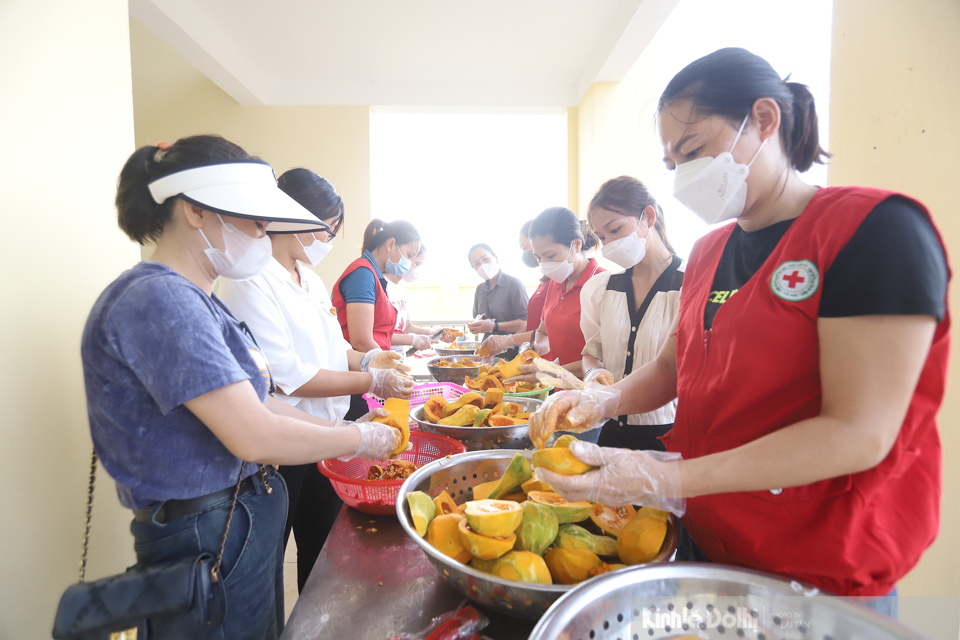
x=516 y=474
x=571 y=536
x=422 y=510
x=537 y=530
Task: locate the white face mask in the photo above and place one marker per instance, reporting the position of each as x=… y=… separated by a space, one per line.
x=558 y=271
x=411 y=275
x=243 y=257
x=488 y=270
x=628 y=250
x=316 y=251
x=714 y=188
x=398 y=268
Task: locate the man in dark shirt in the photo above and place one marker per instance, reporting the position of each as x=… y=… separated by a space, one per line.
x=500 y=303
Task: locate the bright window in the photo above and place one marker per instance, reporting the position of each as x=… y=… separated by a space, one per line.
x=462 y=179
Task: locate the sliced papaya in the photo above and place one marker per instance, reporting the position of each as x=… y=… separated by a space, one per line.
x=516 y=473
x=538 y=528
x=483 y=490
x=500 y=421
x=650 y=512
x=570 y=536
x=486 y=566
x=570 y=566
x=522 y=566
x=467 y=398
x=535 y=485
x=422 y=510
x=560 y=460
x=492 y=398
x=484 y=547
x=494 y=518
x=641 y=539
x=463 y=417
x=443 y=534
x=433 y=409
x=566 y=512
x=399 y=418
x=518 y=496
x=612 y=520
x=444 y=504
x=564 y=441
x=512 y=368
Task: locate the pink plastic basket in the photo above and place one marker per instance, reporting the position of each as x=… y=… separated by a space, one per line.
x=380 y=497
x=421 y=393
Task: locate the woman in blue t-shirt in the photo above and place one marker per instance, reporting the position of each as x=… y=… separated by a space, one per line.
x=178 y=393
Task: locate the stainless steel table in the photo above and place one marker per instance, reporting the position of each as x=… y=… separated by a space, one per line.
x=370 y=585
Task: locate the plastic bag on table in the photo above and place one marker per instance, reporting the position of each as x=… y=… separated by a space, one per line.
x=465 y=623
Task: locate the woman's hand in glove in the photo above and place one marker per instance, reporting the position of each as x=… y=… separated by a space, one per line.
x=599 y=376
x=390 y=383
x=380 y=359
x=421 y=342
x=575 y=411
x=377 y=441
x=622 y=477
x=494 y=345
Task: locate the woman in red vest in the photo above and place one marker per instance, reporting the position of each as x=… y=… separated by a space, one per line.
x=809 y=358
x=366 y=315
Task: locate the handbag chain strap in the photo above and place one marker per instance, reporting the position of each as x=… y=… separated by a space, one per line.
x=215 y=572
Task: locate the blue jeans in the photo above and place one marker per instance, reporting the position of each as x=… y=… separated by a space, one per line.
x=252 y=567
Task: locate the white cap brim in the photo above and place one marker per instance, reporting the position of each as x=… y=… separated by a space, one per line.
x=239 y=189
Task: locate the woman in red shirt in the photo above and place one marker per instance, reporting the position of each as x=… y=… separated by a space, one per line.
x=809 y=358
x=535 y=304
x=559 y=240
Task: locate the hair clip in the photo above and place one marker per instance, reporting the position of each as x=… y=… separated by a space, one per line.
x=163 y=145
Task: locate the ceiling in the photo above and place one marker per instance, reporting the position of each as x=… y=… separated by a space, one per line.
x=443 y=53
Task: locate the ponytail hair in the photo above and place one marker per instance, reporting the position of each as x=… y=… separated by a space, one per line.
x=563 y=226
x=729 y=81
x=628 y=196
x=378 y=232
x=315 y=194
x=138 y=215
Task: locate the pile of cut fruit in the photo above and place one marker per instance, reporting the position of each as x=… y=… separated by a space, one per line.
x=462 y=363
x=516 y=528
x=493 y=376
x=475 y=410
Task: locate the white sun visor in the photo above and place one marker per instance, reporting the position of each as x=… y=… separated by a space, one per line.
x=239 y=189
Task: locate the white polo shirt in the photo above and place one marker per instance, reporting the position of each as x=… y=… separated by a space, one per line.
x=296 y=328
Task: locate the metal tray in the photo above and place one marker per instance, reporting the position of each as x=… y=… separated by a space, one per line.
x=716 y=601
x=456 y=375
x=479 y=438
x=458 y=475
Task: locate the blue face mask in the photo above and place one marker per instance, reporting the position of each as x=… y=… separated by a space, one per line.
x=398 y=268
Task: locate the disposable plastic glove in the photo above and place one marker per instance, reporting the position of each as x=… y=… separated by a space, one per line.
x=390 y=383
x=380 y=359
x=421 y=342
x=599 y=376
x=494 y=345
x=575 y=411
x=377 y=441
x=373 y=414
x=622 y=477
x=528 y=373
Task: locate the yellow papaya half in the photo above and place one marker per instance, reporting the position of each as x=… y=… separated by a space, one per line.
x=516 y=473
x=612 y=520
x=484 y=547
x=422 y=510
x=494 y=518
x=538 y=528
x=444 y=504
x=566 y=512
x=570 y=566
x=433 y=409
x=522 y=566
x=467 y=398
x=560 y=461
x=535 y=485
x=641 y=539
x=492 y=397
x=650 y=512
x=512 y=368
x=443 y=534
x=564 y=441
x=399 y=418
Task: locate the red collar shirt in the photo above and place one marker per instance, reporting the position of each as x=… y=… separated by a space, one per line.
x=561 y=315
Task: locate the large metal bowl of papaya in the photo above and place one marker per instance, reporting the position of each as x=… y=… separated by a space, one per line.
x=453 y=369
x=480 y=421
x=551 y=544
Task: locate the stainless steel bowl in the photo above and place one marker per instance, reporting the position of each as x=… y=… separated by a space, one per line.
x=480 y=438
x=713 y=601
x=469 y=348
x=456 y=375
x=458 y=475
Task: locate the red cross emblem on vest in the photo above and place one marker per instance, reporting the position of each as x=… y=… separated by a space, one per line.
x=795 y=280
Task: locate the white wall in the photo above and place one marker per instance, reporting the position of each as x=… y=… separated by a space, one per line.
x=66 y=127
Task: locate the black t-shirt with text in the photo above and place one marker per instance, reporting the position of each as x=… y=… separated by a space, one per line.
x=893 y=265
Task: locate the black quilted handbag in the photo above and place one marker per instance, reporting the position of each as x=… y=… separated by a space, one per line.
x=182 y=600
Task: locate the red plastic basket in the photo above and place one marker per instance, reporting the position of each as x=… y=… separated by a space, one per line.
x=380 y=497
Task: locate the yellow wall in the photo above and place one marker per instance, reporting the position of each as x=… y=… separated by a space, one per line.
x=67 y=129
x=173 y=99
x=894 y=124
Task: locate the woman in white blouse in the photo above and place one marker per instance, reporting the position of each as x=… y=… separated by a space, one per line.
x=289 y=313
x=626 y=317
